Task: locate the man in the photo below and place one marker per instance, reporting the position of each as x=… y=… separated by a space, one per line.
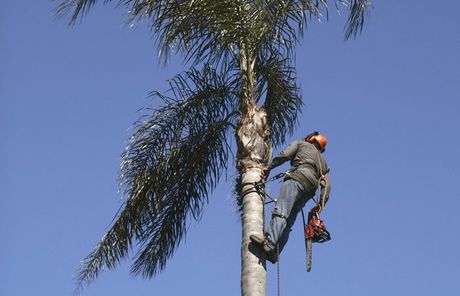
x=308 y=171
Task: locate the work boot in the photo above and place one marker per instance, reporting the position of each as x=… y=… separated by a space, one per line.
x=266 y=246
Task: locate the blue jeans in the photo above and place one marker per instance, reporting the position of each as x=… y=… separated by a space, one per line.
x=291 y=200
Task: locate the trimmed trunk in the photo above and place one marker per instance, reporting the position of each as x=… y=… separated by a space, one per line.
x=254 y=152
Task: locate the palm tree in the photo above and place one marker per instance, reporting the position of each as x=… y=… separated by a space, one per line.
x=241 y=81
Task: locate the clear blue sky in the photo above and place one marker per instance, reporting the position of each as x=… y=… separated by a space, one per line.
x=388 y=101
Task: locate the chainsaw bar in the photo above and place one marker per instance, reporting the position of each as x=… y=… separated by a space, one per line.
x=309 y=243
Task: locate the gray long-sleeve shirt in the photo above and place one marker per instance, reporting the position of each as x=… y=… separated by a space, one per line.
x=306 y=161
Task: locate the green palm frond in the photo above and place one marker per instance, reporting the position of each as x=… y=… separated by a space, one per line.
x=283 y=102
x=280 y=24
x=355 y=22
x=173 y=160
x=211 y=31
x=74 y=9
x=205 y=30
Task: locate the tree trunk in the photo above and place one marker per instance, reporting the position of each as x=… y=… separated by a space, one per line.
x=254 y=152
x=253 y=269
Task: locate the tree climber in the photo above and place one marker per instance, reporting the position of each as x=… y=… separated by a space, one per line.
x=308 y=171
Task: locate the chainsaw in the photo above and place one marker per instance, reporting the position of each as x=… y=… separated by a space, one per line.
x=315 y=232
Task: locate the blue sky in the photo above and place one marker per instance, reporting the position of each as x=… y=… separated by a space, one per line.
x=388 y=102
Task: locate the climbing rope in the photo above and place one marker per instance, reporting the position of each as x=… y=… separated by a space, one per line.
x=278 y=274
x=258 y=187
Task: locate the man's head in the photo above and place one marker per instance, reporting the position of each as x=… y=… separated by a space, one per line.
x=317 y=139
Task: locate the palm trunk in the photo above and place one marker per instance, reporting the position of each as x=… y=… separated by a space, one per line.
x=254 y=151
x=253 y=269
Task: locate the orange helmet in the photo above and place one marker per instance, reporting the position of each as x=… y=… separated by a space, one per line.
x=318 y=138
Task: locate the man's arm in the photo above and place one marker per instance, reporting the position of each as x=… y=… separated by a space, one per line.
x=284 y=156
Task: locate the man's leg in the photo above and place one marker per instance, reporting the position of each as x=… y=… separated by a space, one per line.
x=290 y=221
x=291 y=199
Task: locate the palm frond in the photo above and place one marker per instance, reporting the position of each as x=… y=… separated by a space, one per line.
x=75 y=9
x=212 y=31
x=172 y=162
x=355 y=22
x=202 y=29
x=282 y=23
x=205 y=30
x=79 y=8
x=283 y=102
